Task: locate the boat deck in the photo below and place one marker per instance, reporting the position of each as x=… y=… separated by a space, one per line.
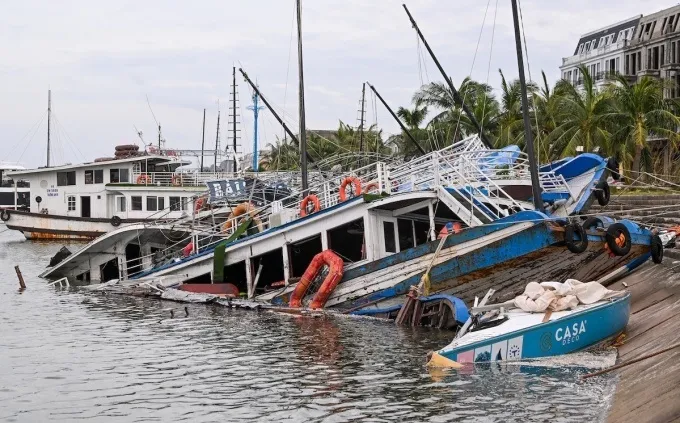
x=649 y=390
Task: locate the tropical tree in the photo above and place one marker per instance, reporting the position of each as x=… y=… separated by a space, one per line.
x=638 y=114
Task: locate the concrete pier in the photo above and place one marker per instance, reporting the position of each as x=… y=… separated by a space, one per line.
x=649 y=391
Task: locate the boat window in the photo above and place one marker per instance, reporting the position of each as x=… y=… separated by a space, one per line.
x=301 y=254
x=388 y=233
x=155 y=203
x=121 y=204
x=175 y=203
x=89 y=177
x=119 y=176
x=66 y=178
x=136 y=203
x=236 y=274
x=272 y=269
x=99 y=176
x=71 y=202
x=422 y=230
x=347 y=241
x=406 y=234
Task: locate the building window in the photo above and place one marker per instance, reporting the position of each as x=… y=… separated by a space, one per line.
x=121 y=204
x=71 y=203
x=616 y=66
x=119 y=176
x=136 y=203
x=66 y=178
x=99 y=176
x=89 y=177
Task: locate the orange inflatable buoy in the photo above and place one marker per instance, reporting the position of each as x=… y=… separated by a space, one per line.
x=305 y=202
x=335 y=264
x=188 y=249
x=240 y=210
x=371 y=187
x=350 y=180
x=143 y=179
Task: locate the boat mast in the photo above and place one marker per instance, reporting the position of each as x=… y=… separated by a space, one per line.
x=233 y=109
x=456 y=95
x=528 y=135
x=394 y=115
x=303 y=128
x=203 y=141
x=361 y=126
x=217 y=138
x=49 y=118
x=256 y=112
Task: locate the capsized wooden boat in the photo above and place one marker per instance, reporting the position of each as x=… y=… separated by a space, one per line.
x=522 y=335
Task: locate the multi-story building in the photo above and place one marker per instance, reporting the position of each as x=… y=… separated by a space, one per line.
x=601 y=51
x=655 y=50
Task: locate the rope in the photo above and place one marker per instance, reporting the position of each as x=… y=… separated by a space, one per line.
x=488 y=68
x=526 y=54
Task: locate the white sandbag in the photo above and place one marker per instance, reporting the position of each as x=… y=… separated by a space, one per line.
x=556 y=296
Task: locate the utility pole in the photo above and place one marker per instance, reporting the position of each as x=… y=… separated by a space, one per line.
x=361 y=126
x=203 y=141
x=256 y=112
x=49 y=118
x=233 y=110
x=303 y=127
x=528 y=135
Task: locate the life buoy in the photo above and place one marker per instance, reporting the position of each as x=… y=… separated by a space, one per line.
x=305 y=202
x=618 y=239
x=5 y=215
x=602 y=193
x=188 y=249
x=198 y=205
x=656 y=249
x=143 y=179
x=373 y=186
x=335 y=273
x=126 y=147
x=115 y=221
x=240 y=210
x=573 y=245
x=356 y=182
x=176 y=181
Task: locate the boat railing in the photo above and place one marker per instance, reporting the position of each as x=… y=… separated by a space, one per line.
x=199 y=179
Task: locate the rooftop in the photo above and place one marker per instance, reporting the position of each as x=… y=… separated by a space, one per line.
x=148 y=158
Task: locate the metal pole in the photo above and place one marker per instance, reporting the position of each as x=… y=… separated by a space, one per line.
x=256 y=112
x=456 y=96
x=203 y=141
x=528 y=135
x=361 y=126
x=403 y=128
x=233 y=106
x=217 y=141
x=49 y=118
x=303 y=128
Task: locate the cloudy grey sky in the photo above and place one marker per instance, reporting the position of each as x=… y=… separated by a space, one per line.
x=101 y=60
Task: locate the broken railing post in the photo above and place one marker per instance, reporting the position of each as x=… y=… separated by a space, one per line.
x=22 y=284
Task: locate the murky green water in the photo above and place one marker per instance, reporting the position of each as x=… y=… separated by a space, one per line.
x=69 y=355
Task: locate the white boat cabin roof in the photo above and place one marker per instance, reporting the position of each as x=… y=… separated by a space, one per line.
x=157 y=160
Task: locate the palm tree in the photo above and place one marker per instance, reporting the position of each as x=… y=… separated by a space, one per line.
x=583 y=117
x=639 y=113
x=413 y=118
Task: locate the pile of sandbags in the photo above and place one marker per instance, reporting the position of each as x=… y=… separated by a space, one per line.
x=556 y=296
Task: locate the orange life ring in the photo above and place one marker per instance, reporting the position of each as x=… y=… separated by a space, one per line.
x=335 y=273
x=350 y=180
x=176 y=181
x=143 y=179
x=372 y=186
x=240 y=210
x=198 y=205
x=305 y=202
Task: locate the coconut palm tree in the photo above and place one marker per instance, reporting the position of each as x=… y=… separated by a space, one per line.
x=413 y=118
x=639 y=113
x=583 y=116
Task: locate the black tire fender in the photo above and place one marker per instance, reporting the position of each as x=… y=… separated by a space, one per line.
x=656 y=248
x=573 y=245
x=593 y=222
x=5 y=215
x=116 y=221
x=613 y=232
x=602 y=193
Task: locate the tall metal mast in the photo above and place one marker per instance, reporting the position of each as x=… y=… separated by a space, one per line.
x=456 y=95
x=256 y=112
x=203 y=141
x=394 y=115
x=303 y=127
x=49 y=118
x=361 y=126
x=233 y=106
x=528 y=135
x=217 y=139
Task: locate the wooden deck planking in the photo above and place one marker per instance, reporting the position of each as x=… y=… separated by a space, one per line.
x=649 y=391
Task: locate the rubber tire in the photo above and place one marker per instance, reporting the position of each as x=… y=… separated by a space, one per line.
x=575 y=247
x=603 y=193
x=613 y=166
x=593 y=222
x=656 y=248
x=613 y=232
x=116 y=221
x=5 y=215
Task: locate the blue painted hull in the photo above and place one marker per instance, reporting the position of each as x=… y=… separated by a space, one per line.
x=573 y=333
